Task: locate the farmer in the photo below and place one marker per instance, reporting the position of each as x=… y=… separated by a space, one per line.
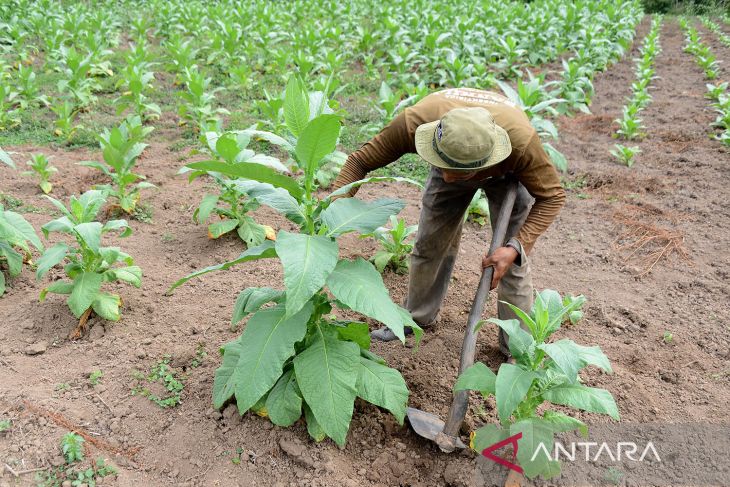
x=472 y=139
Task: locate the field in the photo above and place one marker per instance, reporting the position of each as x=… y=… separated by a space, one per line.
x=643 y=234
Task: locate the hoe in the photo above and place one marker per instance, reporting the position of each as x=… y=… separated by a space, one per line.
x=430 y=426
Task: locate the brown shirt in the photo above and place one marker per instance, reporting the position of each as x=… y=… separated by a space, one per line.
x=528 y=161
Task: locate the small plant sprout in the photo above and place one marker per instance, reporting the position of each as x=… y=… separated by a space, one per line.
x=668 y=337
x=625 y=154
x=396 y=246
x=164 y=377
x=5 y=425
x=95 y=377
x=72 y=447
x=41 y=167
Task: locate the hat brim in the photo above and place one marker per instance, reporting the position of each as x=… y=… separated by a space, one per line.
x=424 y=148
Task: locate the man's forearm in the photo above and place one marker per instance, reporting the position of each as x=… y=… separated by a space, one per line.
x=542 y=214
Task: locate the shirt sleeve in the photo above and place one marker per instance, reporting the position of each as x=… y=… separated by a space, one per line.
x=538 y=175
x=388 y=146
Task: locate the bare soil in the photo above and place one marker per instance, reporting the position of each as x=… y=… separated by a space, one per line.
x=678 y=185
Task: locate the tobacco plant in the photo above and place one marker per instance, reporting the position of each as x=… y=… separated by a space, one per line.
x=88 y=264
x=198 y=102
x=121 y=146
x=625 y=154
x=65 y=123
x=233 y=204
x=544 y=372
x=478 y=209
x=396 y=246
x=296 y=357
x=42 y=168
x=15 y=235
x=136 y=81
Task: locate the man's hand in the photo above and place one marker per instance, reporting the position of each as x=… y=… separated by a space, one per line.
x=501 y=260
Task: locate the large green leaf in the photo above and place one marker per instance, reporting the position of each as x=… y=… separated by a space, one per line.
x=307 y=261
x=561 y=423
x=358 y=285
x=254 y=362
x=58 y=287
x=89 y=234
x=511 y=387
x=50 y=258
x=571 y=357
x=355 y=331
x=520 y=342
x=251 y=170
x=354 y=215
x=87 y=286
x=264 y=251
x=219 y=228
x=13 y=259
x=478 y=377
x=313 y=427
x=24 y=228
x=296 y=106
x=487 y=436
x=107 y=306
x=278 y=199
x=5 y=158
x=327 y=373
x=251 y=232
x=284 y=404
x=589 y=399
x=374 y=179
x=383 y=386
x=131 y=274
x=251 y=299
x=318 y=139
x=535 y=446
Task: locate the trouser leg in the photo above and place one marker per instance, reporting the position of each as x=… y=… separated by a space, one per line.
x=516 y=285
x=437 y=245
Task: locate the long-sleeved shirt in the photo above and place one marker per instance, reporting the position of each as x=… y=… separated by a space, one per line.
x=528 y=161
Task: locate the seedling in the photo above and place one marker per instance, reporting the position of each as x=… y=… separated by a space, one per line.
x=15 y=235
x=543 y=372
x=95 y=377
x=72 y=447
x=396 y=246
x=5 y=425
x=625 y=154
x=668 y=337
x=714 y=92
x=120 y=148
x=162 y=374
x=9 y=114
x=42 y=168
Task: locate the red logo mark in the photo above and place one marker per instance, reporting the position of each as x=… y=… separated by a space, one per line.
x=487 y=452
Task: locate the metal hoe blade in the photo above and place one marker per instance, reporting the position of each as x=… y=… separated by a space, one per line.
x=446 y=434
x=431 y=427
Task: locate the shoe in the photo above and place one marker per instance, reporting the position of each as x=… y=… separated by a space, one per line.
x=385 y=334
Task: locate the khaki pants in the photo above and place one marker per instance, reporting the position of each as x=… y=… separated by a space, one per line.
x=437 y=245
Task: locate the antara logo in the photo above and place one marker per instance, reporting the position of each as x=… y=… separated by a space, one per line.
x=628 y=450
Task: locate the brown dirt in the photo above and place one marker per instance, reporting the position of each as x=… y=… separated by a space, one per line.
x=680 y=171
